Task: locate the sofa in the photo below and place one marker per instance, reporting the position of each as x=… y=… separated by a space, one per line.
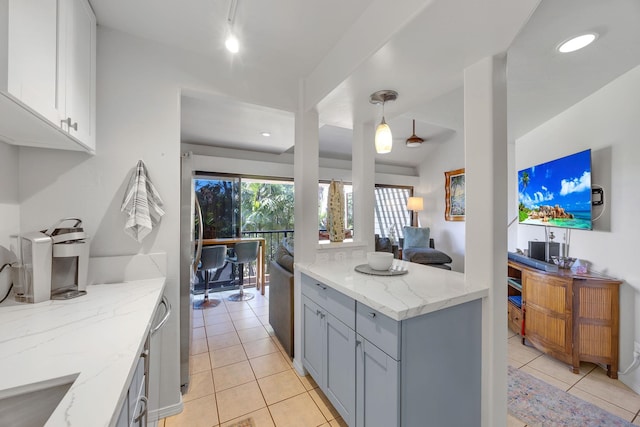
x=281 y=295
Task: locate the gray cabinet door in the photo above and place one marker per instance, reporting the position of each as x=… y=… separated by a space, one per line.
x=340 y=366
x=312 y=339
x=378 y=391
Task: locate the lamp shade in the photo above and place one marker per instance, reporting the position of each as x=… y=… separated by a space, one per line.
x=415 y=204
x=384 y=139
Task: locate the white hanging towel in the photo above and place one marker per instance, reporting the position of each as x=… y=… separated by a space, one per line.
x=142 y=204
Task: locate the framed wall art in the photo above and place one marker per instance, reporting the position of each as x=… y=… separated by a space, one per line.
x=454 y=195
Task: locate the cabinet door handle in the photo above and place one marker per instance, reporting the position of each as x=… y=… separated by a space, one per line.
x=167 y=306
x=324 y=288
x=358 y=342
x=318 y=313
x=67 y=121
x=372 y=314
x=143 y=411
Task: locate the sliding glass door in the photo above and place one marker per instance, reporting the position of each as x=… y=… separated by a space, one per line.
x=219 y=198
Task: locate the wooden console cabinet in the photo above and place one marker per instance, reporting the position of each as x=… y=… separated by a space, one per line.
x=570 y=317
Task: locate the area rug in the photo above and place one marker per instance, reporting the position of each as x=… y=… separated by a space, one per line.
x=540 y=404
x=248 y=422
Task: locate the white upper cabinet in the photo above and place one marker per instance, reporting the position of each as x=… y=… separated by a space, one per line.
x=78 y=70
x=47 y=73
x=32 y=55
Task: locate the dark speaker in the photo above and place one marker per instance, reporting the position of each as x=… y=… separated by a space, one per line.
x=537 y=250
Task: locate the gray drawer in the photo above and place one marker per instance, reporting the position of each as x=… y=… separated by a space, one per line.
x=336 y=303
x=378 y=329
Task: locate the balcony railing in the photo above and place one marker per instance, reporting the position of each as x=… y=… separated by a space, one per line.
x=272 y=240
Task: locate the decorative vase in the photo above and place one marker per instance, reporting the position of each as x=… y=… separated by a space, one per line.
x=335 y=212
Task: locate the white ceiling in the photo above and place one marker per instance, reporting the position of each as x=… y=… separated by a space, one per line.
x=424 y=62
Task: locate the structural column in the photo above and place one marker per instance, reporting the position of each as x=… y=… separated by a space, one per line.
x=363 y=170
x=305 y=174
x=485 y=130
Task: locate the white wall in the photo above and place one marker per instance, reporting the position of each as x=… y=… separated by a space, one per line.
x=607 y=122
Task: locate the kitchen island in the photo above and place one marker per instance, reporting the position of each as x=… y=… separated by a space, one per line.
x=93 y=343
x=399 y=350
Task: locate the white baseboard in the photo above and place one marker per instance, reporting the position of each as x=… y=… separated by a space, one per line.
x=297 y=365
x=167 y=411
x=631 y=380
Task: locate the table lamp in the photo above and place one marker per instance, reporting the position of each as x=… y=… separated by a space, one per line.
x=415 y=204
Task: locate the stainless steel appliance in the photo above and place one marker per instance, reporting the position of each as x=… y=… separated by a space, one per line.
x=190 y=250
x=53 y=263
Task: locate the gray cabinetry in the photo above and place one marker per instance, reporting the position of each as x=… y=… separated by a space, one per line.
x=377 y=371
x=340 y=364
x=134 y=408
x=312 y=345
x=328 y=347
x=377 y=386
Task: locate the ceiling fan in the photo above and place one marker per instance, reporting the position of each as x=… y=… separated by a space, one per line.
x=414 y=140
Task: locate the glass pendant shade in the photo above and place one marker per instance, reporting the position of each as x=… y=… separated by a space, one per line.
x=384 y=139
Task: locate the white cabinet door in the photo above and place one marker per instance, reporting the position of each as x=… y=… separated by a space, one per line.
x=32 y=55
x=47 y=74
x=77 y=69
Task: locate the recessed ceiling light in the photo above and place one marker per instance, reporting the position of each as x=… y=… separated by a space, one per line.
x=577 y=43
x=265 y=133
x=232 y=44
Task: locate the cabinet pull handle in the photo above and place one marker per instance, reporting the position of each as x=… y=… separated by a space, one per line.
x=358 y=342
x=143 y=412
x=167 y=306
x=372 y=314
x=318 y=313
x=324 y=288
x=69 y=125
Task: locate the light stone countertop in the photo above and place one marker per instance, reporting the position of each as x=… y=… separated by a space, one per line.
x=422 y=290
x=98 y=337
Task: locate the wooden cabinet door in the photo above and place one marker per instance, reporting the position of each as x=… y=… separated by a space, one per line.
x=340 y=367
x=548 y=311
x=312 y=339
x=596 y=314
x=377 y=387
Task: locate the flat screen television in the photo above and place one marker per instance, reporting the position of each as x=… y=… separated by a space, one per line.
x=557 y=193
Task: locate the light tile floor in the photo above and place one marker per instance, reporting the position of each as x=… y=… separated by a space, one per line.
x=591 y=384
x=240 y=370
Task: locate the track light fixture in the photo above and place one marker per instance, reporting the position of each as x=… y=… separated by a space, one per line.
x=383 y=139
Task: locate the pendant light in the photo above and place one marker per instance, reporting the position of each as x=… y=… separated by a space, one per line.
x=383 y=138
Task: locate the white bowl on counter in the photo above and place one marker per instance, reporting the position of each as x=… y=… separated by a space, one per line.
x=379 y=260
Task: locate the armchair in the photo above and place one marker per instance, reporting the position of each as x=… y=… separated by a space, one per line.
x=419 y=247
